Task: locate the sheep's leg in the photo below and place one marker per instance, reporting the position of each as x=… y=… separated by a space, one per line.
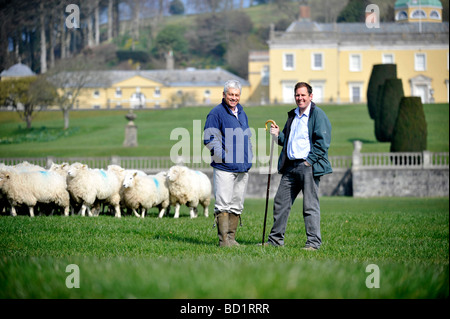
x=162 y=212
x=143 y=212
x=135 y=213
x=31 y=209
x=117 y=208
x=192 y=212
x=13 y=211
x=82 y=210
x=66 y=211
x=177 y=210
x=205 y=210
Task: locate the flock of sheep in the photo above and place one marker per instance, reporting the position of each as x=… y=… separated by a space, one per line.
x=77 y=187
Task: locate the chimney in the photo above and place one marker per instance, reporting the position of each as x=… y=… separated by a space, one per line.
x=305 y=11
x=169 y=60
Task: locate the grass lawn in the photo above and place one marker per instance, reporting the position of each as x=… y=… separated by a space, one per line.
x=407 y=238
x=101 y=133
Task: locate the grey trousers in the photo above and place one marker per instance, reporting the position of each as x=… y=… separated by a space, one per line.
x=298 y=177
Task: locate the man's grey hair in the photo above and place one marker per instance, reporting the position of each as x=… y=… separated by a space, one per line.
x=232 y=84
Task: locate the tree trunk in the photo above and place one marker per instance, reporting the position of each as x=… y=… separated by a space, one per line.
x=90 y=35
x=97 y=24
x=43 y=41
x=66 y=118
x=110 y=20
x=63 y=37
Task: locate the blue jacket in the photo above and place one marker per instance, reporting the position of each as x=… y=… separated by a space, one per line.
x=319 y=129
x=228 y=139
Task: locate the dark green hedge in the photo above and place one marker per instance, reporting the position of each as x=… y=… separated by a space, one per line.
x=380 y=72
x=410 y=131
x=388 y=102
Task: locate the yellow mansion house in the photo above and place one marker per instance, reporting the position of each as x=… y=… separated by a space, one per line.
x=337 y=59
x=148 y=89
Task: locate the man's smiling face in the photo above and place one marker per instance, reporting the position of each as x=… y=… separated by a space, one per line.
x=302 y=98
x=232 y=97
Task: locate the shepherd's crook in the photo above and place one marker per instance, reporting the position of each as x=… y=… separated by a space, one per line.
x=268 y=183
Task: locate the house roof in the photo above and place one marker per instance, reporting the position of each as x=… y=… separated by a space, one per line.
x=310 y=32
x=417 y=3
x=170 y=78
x=17 y=70
x=360 y=28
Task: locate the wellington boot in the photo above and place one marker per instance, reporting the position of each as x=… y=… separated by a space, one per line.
x=233 y=222
x=222 y=221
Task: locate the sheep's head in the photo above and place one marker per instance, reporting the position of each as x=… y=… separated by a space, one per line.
x=61 y=169
x=173 y=173
x=3 y=176
x=75 y=167
x=129 y=180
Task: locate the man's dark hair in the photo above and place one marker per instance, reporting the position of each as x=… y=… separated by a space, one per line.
x=301 y=85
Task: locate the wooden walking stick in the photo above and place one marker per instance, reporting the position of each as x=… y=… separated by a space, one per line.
x=268 y=183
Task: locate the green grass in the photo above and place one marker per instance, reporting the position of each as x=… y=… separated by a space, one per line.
x=408 y=238
x=101 y=133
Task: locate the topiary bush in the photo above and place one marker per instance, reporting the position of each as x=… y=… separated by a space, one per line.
x=410 y=131
x=388 y=102
x=380 y=72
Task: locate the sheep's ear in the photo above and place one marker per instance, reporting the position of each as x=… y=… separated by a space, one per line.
x=135 y=174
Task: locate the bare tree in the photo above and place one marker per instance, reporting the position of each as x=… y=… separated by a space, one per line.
x=70 y=78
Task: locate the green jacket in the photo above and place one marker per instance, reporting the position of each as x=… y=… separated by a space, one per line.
x=319 y=128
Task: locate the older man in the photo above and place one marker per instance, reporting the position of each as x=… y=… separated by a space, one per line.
x=227 y=136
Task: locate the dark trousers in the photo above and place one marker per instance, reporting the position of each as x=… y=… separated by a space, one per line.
x=298 y=177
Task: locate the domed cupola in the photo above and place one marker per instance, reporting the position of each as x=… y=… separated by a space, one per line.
x=418 y=11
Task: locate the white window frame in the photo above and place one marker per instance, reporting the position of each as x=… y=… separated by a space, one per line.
x=353 y=85
x=157 y=92
x=96 y=94
x=118 y=92
x=384 y=58
x=318 y=85
x=352 y=68
x=418 y=14
x=265 y=75
x=435 y=12
x=285 y=60
x=417 y=66
x=287 y=89
x=313 y=61
x=401 y=15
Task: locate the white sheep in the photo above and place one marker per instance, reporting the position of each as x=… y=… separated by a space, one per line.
x=190 y=188
x=29 y=188
x=87 y=185
x=146 y=192
x=28 y=167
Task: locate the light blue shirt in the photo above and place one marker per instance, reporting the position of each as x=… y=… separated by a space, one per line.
x=299 y=144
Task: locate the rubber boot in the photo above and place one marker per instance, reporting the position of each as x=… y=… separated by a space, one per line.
x=233 y=222
x=222 y=221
